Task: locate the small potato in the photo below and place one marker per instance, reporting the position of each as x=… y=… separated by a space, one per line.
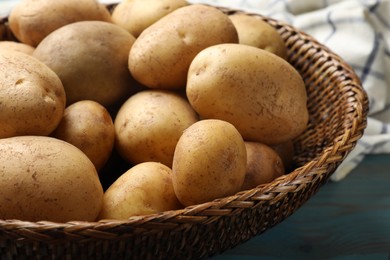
x=161 y=55
x=32 y=20
x=286 y=153
x=263 y=165
x=136 y=15
x=149 y=124
x=32 y=97
x=263 y=96
x=255 y=32
x=87 y=125
x=16 y=46
x=144 y=189
x=209 y=162
x=43 y=178
x=90 y=57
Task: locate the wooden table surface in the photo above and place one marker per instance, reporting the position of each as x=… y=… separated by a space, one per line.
x=349 y=219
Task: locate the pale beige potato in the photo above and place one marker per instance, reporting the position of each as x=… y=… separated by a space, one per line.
x=43 y=178
x=16 y=46
x=136 y=15
x=161 y=55
x=145 y=188
x=32 y=20
x=149 y=124
x=262 y=95
x=90 y=57
x=263 y=165
x=87 y=125
x=32 y=97
x=209 y=162
x=253 y=31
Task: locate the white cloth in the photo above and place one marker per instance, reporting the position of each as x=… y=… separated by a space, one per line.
x=357 y=30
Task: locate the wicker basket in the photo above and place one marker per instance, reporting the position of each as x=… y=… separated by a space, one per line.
x=338 y=108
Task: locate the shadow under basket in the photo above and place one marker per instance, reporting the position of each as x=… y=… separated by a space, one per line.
x=338 y=107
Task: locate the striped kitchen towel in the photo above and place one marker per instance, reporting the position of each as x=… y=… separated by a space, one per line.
x=358 y=31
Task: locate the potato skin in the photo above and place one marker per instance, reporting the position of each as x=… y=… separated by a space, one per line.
x=43 y=178
x=263 y=165
x=263 y=96
x=144 y=189
x=135 y=16
x=255 y=32
x=32 y=20
x=87 y=125
x=209 y=162
x=17 y=46
x=149 y=124
x=32 y=96
x=161 y=55
x=90 y=57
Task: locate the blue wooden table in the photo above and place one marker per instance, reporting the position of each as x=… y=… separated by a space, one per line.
x=344 y=220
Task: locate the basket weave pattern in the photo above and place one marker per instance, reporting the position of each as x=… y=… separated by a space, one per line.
x=338 y=108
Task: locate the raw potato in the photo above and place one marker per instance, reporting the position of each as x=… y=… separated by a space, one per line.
x=16 y=46
x=263 y=165
x=286 y=153
x=144 y=189
x=135 y=16
x=32 y=20
x=90 y=57
x=255 y=32
x=32 y=97
x=87 y=125
x=43 y=178
x=263 y=96
x=161 y=55
x=209 y=162
x=149 y=124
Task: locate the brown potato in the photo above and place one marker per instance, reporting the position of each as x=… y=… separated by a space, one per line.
x=255 y=32
x=209 y=162
x=90 y=57
x=149 y=124
x=32 y=97
x=161 y=55
x=16 y=46
x=263 y=165
x=144 y=189
x=43 y=178
x=32 y=20
x=263 y=95
x=87 y=125
x=286 y=152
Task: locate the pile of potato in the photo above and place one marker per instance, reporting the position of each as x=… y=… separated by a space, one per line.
x=198 y=103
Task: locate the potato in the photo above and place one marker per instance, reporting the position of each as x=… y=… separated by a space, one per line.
x=144 y=189
x=87 y=125
x=32 y=97
x=43 y=178
x=263 y=96
x=263 y=165
x=149 y=124
x=286 y=153
x=253 y=31
x=90 y=57
x=161 y=55
x=136 y=15
x=32 y=20
x=16 y=46
x=209 y=162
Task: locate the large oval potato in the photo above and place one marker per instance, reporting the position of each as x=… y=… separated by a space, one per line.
x=209 y=162
x=87 y=125
x=32 y=97
x=43 y=178
x=262 y=95
x=32 y=20
x=90 y=57
x=136 y=15
x=161 y=55
x=144 y=189
x=149 y=124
